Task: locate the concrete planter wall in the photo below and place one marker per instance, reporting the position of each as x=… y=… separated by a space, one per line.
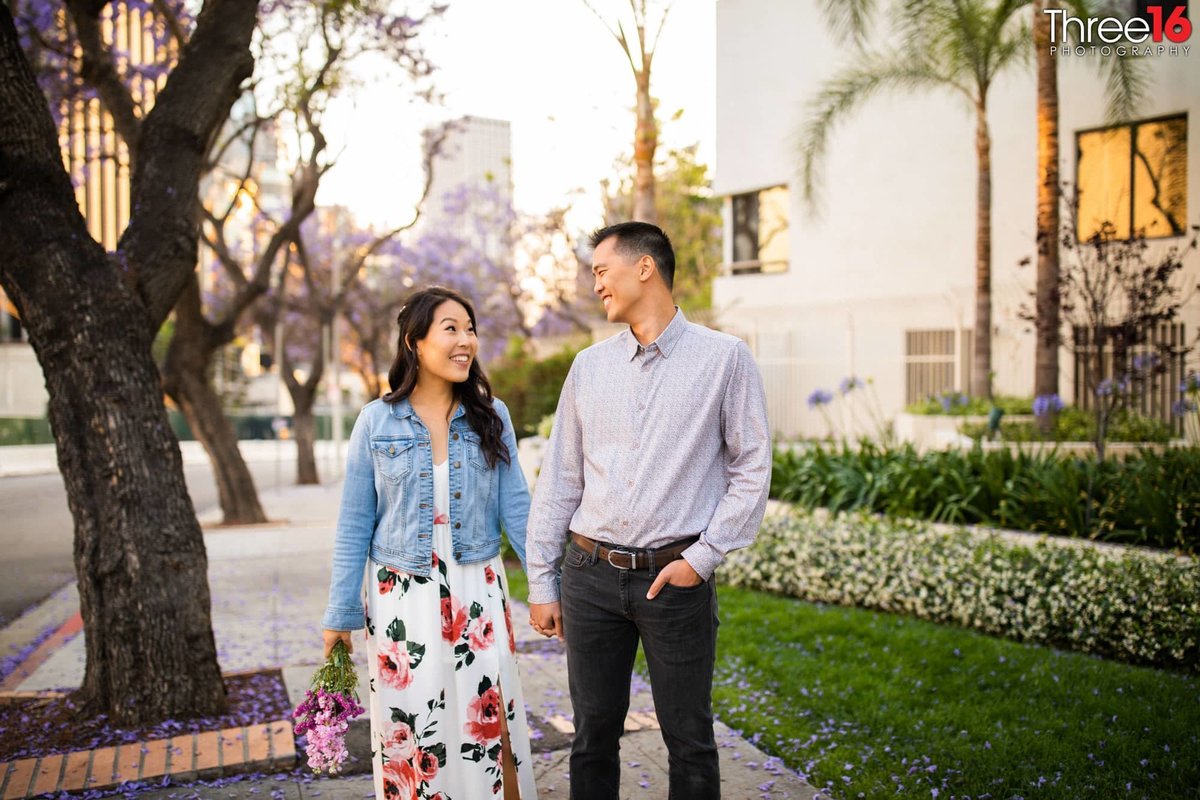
x=1121 y=450
x=939 y=431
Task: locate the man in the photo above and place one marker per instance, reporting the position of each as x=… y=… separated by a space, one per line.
x=658 y=465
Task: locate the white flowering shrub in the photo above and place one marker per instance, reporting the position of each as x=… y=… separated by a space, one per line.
x=1135 y=605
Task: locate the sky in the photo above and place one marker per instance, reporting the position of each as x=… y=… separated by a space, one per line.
x=555 y=72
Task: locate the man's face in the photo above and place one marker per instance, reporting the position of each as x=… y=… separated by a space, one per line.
x=617 y=282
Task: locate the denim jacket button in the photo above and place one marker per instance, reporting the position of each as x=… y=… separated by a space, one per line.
x=391 y=451
x=457 y=525
x=458 y=554
x=455 y=437
x=458 y=495
x=457 y=464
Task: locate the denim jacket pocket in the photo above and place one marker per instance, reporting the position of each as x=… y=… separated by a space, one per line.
x=393 y=456
x=475 y=450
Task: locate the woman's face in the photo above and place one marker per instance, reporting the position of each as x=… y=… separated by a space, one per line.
x=450 y=346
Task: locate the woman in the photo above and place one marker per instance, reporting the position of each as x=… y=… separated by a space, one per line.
x=431 y=476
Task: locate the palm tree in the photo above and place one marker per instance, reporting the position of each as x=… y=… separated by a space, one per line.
x=1124 y=90
x=1125 y=86
x=955 y=45
x=645 y=136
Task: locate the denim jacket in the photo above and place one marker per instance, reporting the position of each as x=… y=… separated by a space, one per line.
x=387 y=501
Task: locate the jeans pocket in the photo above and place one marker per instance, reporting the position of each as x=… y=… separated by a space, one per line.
x=575 y=557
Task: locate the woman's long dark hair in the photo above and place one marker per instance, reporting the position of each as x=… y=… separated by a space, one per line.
x=475 y=393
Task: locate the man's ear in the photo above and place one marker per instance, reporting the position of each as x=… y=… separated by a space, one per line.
x=646 y=268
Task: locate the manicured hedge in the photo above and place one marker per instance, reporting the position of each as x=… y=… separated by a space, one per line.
x=1148 y=499
x=1135 y=605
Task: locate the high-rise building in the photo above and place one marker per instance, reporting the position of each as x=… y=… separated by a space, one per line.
x=471 y=192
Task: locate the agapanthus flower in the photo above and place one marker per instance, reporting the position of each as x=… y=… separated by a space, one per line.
x=819 y=397
x=1044 y=404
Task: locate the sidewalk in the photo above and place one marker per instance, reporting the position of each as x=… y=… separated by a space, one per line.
x=269 y=586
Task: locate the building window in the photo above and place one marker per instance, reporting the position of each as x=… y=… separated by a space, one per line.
x=1133 y=177
x=760 y=231
x=936 y=363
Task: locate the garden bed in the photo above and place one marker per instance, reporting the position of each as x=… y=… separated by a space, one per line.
x=1130 y=604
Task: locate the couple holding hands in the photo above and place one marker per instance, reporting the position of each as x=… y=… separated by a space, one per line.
x=657 y=467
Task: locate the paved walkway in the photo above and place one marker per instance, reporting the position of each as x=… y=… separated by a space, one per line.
x=268 y=587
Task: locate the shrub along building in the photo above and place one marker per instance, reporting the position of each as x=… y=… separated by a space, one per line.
x=877 y=277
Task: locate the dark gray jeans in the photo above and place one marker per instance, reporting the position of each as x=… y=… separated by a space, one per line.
x=605 y=613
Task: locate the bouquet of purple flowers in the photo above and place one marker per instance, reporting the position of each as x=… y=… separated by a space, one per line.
x=328 y=707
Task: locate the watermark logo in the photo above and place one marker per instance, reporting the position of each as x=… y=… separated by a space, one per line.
x=1158 y=28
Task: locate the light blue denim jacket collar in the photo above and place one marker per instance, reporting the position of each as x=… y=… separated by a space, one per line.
x=404 y=410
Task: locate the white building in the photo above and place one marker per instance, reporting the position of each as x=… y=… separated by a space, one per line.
x=879 y=282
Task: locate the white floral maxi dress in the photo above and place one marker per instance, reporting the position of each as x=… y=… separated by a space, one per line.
x=442 y=661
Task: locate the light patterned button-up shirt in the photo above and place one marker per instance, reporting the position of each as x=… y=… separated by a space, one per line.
x=652 y=445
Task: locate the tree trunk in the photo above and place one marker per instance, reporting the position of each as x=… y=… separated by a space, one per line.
x=1047 y=293
x=304 y=426
x=645 y=143
x=139 y=552
x=186 y=378
x=981 y=375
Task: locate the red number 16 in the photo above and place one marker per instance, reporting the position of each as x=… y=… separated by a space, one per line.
x=1178 y=27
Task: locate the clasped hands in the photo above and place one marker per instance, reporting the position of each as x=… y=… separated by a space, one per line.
x=546 y=618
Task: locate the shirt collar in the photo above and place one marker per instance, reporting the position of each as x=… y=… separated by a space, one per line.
x=666 y=340
x=402 y=409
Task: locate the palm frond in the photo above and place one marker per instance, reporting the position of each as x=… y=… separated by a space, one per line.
x=849 y=20
x=1127 y=80
x=840 y=96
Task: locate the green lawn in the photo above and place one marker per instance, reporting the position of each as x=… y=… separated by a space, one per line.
x=878 y=705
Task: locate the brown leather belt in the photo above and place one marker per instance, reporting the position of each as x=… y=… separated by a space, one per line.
x=632 y=557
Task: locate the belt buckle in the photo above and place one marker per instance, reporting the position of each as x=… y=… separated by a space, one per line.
x=632 y=558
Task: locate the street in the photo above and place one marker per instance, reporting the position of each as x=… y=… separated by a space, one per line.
x=36 y=537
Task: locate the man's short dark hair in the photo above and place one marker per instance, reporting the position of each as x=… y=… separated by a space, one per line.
x=637 y=239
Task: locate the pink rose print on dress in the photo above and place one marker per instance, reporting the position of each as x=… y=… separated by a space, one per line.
x=480 y=633
x=454 y=619
x=426 y=764
x=489 y=573
x=440 y=517
x=512 y=641
x=400 y=781
x=483 y=716
x=394 y=665
x=401 y=743
x=387 y=578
